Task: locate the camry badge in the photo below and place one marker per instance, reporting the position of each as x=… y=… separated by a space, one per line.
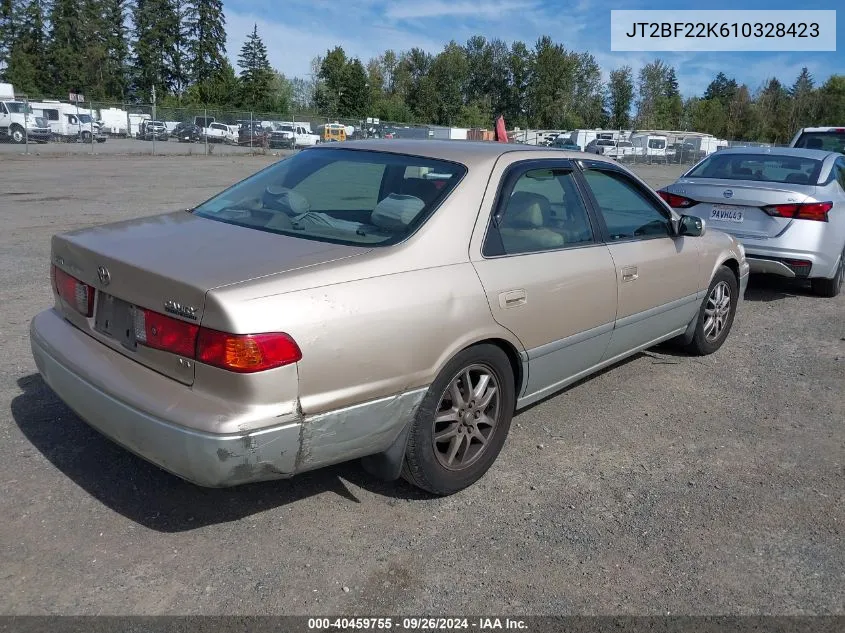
x=728 y=193
x=103 y=275
x=174 y=307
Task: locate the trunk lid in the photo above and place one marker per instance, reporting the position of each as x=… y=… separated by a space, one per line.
x=735 y=206
x=167 y=263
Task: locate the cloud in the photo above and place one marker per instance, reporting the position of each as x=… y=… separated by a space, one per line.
x=405 y=10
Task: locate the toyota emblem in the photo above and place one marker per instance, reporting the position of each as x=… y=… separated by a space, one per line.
x=728 y=193
x=103 y=275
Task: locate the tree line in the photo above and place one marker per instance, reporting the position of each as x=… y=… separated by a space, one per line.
x=123 y=50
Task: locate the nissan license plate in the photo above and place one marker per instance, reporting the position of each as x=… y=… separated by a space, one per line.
x=726 y=214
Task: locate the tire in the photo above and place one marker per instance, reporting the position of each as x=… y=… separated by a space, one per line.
x=426 y=463
x=17 y=134
x=712 y=330
x=86 y=137
x=830 y=287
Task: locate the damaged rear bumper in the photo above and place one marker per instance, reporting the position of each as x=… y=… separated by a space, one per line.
x=279 y=449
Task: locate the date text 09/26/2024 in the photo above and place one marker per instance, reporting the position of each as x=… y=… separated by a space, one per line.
x=480 y=624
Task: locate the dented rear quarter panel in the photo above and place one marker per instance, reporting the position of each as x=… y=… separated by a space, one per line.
x=379 y=324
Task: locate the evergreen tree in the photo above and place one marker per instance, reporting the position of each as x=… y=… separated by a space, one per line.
x=330 y=81
x=672 y=83
x=206 y=36
x=256 y=73
x=7 y=31
x=117 y=48
x=620 y=97
x=355 y=95
x=66 y=47
x=25 y=67
x=180 y=61
x=156 y=28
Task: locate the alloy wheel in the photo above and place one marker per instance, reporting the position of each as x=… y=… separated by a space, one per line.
x=717 y=310
x=466 y=417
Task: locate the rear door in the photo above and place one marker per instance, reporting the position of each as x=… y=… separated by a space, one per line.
x=657 y=273
x=548 y=277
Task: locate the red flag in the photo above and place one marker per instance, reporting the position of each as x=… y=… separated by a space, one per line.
x=501 y=132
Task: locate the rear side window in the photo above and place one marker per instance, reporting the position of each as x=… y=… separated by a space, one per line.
x=543 y=211
x=762 y=167
x=833 y=141
x=339 y=196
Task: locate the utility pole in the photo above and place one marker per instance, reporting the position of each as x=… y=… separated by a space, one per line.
x=154 y=118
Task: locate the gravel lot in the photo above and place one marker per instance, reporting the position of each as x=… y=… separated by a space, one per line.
x=664 y=484
x=124 y=146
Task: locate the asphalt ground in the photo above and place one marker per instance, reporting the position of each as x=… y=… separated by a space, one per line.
x=665 y=484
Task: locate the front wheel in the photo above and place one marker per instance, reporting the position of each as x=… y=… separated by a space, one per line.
x=17 y=134
x=831 y=287
x=716 y=315
x=462 y=422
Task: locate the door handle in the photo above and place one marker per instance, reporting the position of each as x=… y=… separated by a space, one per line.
x=629 y=273
x=512 y=298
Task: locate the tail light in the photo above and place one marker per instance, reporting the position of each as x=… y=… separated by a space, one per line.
x=675 y=201
x=241 y=353
x=158 y=331
x=246 y=353
x=77 y=294
x=808 y=211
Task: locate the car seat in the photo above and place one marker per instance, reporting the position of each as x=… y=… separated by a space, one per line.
x=523 y=227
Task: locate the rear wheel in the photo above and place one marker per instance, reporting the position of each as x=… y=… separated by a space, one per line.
x=716 y=315
x=831 y=287
x=462 y=422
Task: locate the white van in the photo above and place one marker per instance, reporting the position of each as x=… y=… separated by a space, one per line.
x=650 y=146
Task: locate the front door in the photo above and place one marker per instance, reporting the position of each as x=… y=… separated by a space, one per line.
x=547 y=276
x=657 y=273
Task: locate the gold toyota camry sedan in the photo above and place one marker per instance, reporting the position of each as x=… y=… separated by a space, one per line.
x=395 y=301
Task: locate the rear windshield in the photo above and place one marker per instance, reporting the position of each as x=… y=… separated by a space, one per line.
x=762 y=167
x=656 y=143
x=339 y=196
x=833 y=141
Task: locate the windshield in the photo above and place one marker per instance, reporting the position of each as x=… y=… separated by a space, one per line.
x=18 y=107
x=339 y=196
x=625 y=144
x=762 y=167
x=833 y=141
x=85 y=118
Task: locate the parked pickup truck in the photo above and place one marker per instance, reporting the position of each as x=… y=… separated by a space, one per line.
x=220 y=133
x=831 y=139
x=292 y=136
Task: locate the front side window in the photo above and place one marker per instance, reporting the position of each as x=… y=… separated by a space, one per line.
x=627 y=210
x=543 y=211
x=339 y=196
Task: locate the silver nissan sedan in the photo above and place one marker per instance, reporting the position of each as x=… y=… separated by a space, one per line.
x=395 y=301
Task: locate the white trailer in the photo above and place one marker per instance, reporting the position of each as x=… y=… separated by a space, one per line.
x=582 y=138
x=114 y=121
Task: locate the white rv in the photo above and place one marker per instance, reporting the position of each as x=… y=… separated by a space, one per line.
x=650 y=146
x=19 y=122
x=70 y=123
x=582 y=138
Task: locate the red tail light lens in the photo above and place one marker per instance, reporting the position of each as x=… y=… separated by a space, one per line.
x=677 y=202
x=809 y=211
x=165 y=333
x=246 y=353
x=78 y=295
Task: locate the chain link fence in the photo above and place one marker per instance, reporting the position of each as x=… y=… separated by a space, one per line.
x=55 y=126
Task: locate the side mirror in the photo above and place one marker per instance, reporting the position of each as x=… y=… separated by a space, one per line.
x=691 y=226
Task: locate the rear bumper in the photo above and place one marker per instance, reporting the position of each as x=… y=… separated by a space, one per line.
x=112 y=394
x=207 y=459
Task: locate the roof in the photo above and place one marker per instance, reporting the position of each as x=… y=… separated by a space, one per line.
x=453 y=150
x=835 y=128
x=797 y=152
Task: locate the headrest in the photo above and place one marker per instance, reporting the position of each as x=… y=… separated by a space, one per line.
x=525 y=210
x=420 y=188
x=285 y=200
x=396 y=212
x=798 y=179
